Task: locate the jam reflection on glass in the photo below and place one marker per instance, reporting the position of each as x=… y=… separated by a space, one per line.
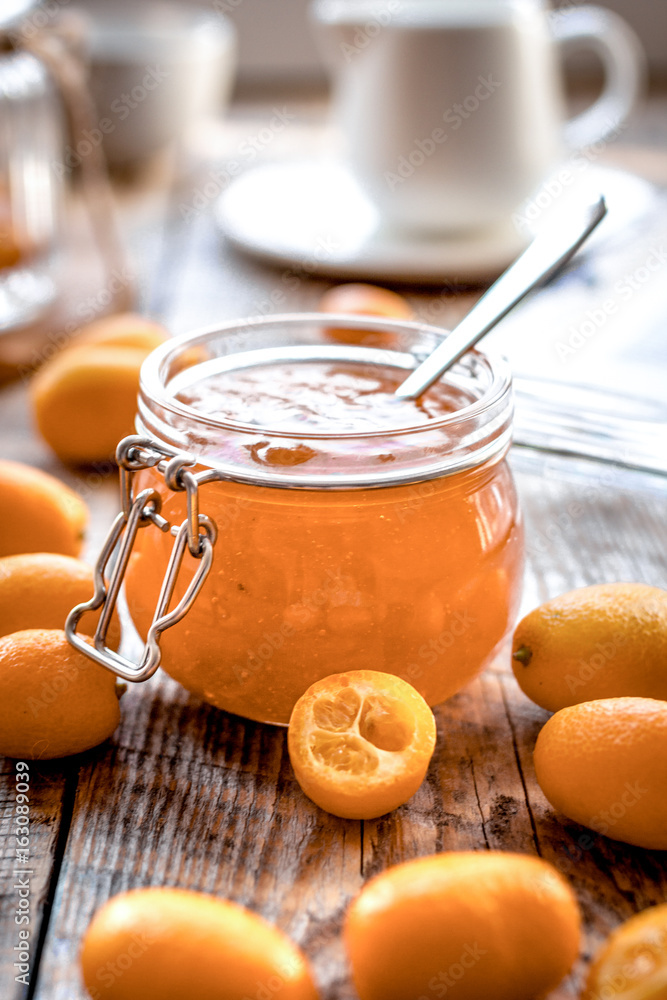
x=421 y=580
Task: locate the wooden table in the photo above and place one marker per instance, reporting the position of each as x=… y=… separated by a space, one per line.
x=186 y=795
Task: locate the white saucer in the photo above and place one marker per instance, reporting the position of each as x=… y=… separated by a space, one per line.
x=312 y=216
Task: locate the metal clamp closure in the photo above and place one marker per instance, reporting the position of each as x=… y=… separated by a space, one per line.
x=197 y=532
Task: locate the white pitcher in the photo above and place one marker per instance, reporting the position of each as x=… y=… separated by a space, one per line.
x=452 y=111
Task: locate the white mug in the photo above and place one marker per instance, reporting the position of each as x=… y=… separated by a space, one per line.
x=452 y=111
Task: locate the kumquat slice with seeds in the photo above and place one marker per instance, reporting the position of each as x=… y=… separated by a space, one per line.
x=360 y=742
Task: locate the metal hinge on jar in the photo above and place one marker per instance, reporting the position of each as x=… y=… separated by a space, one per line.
x=197 y=533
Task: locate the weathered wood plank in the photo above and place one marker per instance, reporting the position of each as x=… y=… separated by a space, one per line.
x=612 y=880
x=49 y=780
x=47 y=803
x=189 y=796
x=472 y=798
x=601 y=526
x=203 y=800
x=481 y=791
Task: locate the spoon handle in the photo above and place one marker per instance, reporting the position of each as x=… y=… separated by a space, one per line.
x=541 y=261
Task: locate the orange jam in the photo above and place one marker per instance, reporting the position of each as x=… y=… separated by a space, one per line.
x=385 y=568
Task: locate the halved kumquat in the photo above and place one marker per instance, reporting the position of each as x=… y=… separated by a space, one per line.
x=632 y=963
x=360 y=742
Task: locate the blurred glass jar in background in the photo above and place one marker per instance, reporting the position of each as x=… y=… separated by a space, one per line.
x=31 y=192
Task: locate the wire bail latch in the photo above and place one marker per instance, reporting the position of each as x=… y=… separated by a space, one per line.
x=197 y=533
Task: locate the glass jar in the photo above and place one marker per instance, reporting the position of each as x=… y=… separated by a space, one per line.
x=398 y=549
x=31 y=187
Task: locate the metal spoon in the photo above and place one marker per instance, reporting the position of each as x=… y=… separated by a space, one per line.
x=544 y=258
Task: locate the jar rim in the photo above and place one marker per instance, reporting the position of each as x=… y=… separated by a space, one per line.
x=154 y=364
x=493 y=405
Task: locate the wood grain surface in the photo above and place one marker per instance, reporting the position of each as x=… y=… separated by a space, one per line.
x=186 y=795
